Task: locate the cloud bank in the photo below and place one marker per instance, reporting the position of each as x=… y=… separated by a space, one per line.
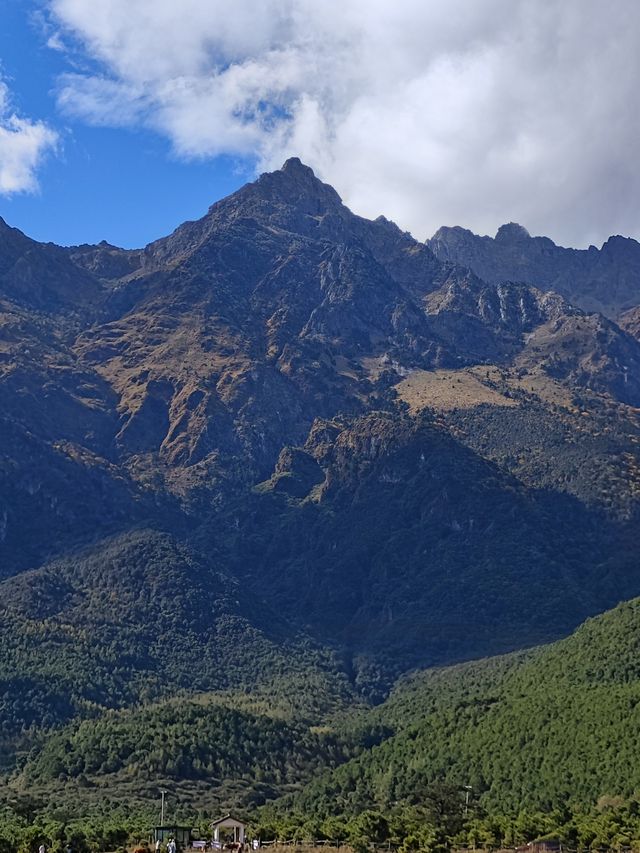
x=23 y=146
x=470 y=112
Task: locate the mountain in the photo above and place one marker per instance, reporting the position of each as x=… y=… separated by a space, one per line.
x=399 y=526
x=41 y=276
x=278 y=366
x=551 y=728
x=289 y=454
x=605 y=280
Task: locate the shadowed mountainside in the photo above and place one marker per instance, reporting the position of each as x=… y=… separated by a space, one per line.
x=402 y=462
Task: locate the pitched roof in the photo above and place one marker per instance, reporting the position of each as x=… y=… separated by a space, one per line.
x=225 y=818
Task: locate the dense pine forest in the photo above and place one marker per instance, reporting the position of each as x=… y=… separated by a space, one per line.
x=544 y=741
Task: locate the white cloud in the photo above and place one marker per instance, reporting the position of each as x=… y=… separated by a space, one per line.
x=23 y=146
x=470 y=112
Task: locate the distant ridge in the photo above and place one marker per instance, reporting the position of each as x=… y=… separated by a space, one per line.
x=606 y=279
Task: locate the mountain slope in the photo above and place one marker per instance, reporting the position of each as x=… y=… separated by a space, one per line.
x=138 y=617
x=553 y=727
x=605 y=280
x=395 y=528
x=211 y=754
x=41 y=276
x=371 y=441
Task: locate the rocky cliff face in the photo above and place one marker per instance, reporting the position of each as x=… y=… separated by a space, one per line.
x=336 y=408
x=605 y=280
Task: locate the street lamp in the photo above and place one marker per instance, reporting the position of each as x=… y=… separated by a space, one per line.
x=467 y=790
x=163 y=792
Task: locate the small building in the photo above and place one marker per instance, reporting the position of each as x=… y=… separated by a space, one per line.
x=180 y=834
x=228 y=829
x=545 y=845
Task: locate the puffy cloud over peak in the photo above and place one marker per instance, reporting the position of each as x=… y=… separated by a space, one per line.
x=466 y=112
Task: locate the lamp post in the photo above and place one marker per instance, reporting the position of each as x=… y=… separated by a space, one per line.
x=162 y=792
x=467 y=791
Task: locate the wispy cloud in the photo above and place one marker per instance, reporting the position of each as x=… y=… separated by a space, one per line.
x=467 y=112
x=23 y=146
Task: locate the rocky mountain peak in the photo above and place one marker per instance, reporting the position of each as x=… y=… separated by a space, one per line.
x=294 y=165
x=623 y=247
x=296 y=182
x=448 y=232
x=512 y=232
x=606 y=280
x=451 y=242
x=289 y=199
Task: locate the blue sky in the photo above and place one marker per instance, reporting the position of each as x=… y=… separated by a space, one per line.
x=123 y=185
x=119 y=119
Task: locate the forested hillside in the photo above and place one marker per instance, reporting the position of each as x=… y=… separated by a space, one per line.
x=533 y=731
x=255 y=473
x=138 y=619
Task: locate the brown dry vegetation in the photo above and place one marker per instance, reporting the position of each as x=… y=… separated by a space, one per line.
x=447 y=389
